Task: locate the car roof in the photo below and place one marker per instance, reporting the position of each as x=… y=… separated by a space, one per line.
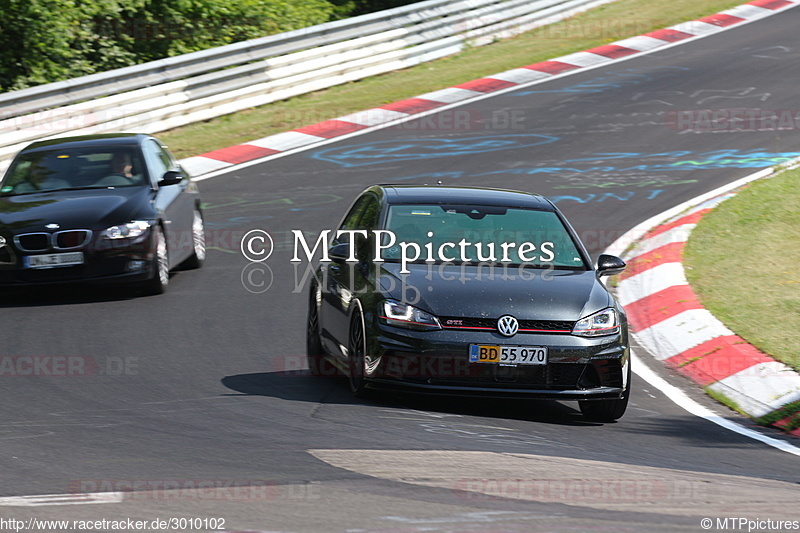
x=438 y=194
x=99 y=140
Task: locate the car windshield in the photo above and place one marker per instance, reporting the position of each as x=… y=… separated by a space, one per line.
x=73 y=168
x=480 y=234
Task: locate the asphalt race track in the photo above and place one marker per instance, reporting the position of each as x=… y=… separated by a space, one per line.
x=188 y=395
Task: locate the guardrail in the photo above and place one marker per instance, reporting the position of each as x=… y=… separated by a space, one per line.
x=180 y=90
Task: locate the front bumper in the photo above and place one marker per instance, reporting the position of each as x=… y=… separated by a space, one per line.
x=104 y=261
x=437 y=362
x=598 y=393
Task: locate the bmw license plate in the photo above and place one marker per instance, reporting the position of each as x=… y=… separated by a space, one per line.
x=508 y=354
x=53 y=260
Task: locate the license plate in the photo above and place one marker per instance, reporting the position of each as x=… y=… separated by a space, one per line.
x=53 y=260
x=508 y=354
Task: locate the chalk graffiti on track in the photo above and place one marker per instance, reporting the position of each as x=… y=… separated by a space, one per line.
x=388 y=152
x=681 y=161
x=612 y=80
x=644 y=179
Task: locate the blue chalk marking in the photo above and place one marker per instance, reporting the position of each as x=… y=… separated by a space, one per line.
x=387 y=152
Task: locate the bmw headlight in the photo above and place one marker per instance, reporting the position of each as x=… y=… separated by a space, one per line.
x=131 y=230
x=407 y=316
x=605 y=322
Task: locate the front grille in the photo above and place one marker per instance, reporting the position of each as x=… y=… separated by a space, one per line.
x=609 y=372
x=33 y=242
x=547 y=326
x=565 y=374
x=468 y=323
x=556 y=376
x=71 y=239
x=61 y=240
x=525 y=326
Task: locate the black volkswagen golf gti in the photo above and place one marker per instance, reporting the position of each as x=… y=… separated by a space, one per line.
x=111 y=207
x=476 y=291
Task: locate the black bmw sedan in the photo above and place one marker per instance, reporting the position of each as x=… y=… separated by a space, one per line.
x=112 y=207
x=457 y=290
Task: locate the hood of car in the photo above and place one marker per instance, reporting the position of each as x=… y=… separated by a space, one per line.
x=89 y=208
x=490 y=292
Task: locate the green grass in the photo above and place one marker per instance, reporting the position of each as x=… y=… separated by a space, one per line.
x=724 y=400
x=605 y=24
x=743 y=261
x=789 y=411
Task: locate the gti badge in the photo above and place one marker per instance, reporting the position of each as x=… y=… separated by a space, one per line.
x=52 y=226
x=507 y=325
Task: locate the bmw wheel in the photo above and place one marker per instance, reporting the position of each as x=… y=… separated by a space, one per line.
x=158 y=283
x=198 y=256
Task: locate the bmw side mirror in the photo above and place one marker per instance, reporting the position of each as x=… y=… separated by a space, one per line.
x=171 y=177
x=609 y=265
x=339 y=253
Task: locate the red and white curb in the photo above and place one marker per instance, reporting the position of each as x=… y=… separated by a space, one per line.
x=389 y=114
x=668 y=320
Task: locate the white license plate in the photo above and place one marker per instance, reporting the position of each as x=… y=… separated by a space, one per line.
x=508 y=354
x=53 y=260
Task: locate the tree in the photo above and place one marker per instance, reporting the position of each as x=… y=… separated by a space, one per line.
x=51 y=40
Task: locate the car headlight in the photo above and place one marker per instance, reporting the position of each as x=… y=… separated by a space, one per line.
x=131 y=230
x=407 y=316
x=605 y=322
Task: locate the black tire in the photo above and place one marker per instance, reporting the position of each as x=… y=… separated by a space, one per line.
x=158 y=283
x=607 y=410
x=315 y=353
x=198 y=256
x=357 y=349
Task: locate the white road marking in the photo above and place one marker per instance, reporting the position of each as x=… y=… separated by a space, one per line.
x=61 y=499
x=682 y=400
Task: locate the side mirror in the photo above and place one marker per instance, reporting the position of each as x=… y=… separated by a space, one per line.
x=171 y=177
x=609 y=265
x=339 y=253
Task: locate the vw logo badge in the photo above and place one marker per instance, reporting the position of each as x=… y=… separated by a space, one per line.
x=507 y=325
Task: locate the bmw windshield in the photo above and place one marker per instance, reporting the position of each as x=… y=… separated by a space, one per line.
x=72 y=169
